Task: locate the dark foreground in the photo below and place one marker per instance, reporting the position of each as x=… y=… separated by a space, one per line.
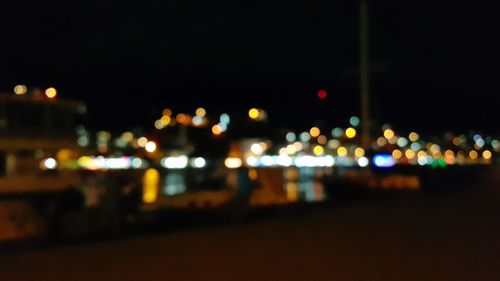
x=453 y=235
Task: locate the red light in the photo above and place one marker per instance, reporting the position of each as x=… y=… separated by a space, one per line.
x=322 y=94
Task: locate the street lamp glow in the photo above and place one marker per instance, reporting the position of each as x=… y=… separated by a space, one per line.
x=150 y=147
x=20 y=89
x=51 y=92
x=253 y=113
x=350 y=133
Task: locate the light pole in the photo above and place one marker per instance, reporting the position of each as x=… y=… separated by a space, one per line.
x=364 y=73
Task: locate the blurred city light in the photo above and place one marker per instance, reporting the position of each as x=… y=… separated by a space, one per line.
x=50 y=93
x=233 y=162
x=314 y=132
x=20 y=89
x=150 y=146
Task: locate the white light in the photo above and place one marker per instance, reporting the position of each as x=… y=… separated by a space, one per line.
x=197 y=121
x=50 y=163
x=252 y=161
x=198 y=162
x=363 y=162
x=176 y=162
x=232 y=162
x=117 y=163
x=326 y=161
x=284 y=160
x=306 y=161
x=150 y=147
x=257 y=149
x=266 y=161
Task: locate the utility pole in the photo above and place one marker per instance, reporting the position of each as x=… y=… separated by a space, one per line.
x=364 y=73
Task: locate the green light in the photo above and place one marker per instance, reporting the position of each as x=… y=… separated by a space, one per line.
x=354 y=121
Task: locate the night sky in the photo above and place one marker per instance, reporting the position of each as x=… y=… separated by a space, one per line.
x=434 y=66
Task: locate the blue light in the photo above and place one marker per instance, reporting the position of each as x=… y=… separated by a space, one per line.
x=384 y=160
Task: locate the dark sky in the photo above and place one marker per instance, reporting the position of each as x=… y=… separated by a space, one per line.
x=435 y=65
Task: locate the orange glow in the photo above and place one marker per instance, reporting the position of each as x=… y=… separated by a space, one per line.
x=410 y=154
x=165 y=120
x=314 y=131
x=473 y=154
x=359 y=152
x=388 y=134
x=397 y=154
x=322 y=139
x=216 y=130
x=181 y=118
x=167 y=112
x=201 y=112
x=413 y=137
x=252 y=174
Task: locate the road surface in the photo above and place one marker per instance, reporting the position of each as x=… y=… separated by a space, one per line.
x=418 y=236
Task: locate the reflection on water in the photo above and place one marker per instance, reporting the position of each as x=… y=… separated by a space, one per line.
x=174 y=183
x=271 y=185
x=304 y=183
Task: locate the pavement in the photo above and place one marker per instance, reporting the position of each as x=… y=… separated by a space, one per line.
x=452 y=235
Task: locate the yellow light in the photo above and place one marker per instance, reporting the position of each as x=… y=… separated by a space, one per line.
x=359 y=152
x=216 y=130
x=201 y=112
x=413 y=137
x=291 y=149
x=487 y=154
x=322 y=139
x=397 y=154
x=388 y=134
x=342 y=151
x=252 y=174
x=150 y=147
x=410 y=154
x=298 y=146
x=150 y=184
x=350 y=132
x=167 y=112
x=318 y=150
x=142 y=141
x=158 y=124
x=456 y=141
x=165 y=120
x=20 y=89
x=253 y=113
x=473 y=154
x=51 y=93
x=314 y=131
x=421 y=154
